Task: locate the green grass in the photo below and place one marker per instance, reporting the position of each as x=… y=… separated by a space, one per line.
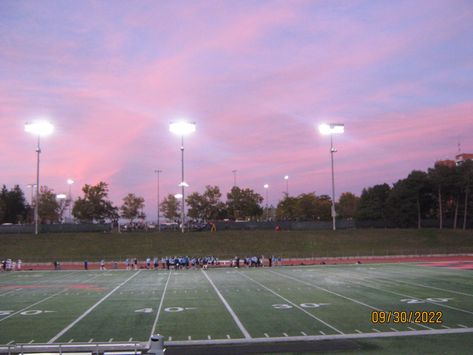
x=224 y=244
x=276 y=302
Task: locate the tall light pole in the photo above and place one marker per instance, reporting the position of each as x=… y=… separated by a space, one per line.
x=266 y=186
x=234 y=177
x=32 y=186
x=39 y=129
x=70 y=182
x=182 y=128
x=331 y=129
x=157 y=185
x=287 y=185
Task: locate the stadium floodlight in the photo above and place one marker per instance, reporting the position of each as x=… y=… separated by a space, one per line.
x=266 y=187
x=39 y=129
x=70 y=182
x=286 y=177
x=61 y=196
x=182 y=128
x=183 y=184
x=178 y=196
x=331 y=129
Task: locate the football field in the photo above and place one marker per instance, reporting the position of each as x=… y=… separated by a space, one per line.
x=382 y=308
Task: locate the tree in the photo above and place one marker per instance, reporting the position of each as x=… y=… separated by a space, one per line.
x=13 y=208
x=287 y=209
x=466 y=179
x=50 y=210
x=442 y=177
x=244 y=203
x=171 y=208
x=207 y=206
x=133 y=207
x=373 y=203
x=347 y=205
x=94 y=206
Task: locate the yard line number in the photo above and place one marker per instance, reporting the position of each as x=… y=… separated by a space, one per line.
x=303 y=305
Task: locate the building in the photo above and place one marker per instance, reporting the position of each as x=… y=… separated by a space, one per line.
x=460 y=158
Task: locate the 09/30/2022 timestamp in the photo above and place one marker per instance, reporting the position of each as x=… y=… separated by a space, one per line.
x=401 y=317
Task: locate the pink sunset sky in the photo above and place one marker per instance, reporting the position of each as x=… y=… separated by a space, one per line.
x=257 y=77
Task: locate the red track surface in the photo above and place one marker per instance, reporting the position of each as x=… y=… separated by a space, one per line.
x=454 y=261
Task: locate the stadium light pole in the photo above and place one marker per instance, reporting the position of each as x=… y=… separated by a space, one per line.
x=266 y=186
x=70 y=182
x=182 y=128
x=287 y=184
x=157 y=185
x=32 y=186
x=39 y=129
x=331 y=129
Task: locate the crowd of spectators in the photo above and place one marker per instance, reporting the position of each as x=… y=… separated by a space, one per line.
x=10 y=265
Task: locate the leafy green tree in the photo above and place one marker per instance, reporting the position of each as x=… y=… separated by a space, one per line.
x=50 y=210
x=94 y=206
x=443 y=176
x=466 y=180
x=13 y=207
x=287 y=209
x=133 y=207
x=244 y=203
x=347 y=205
x=373 y=203
x=206 y=206
x=171 y=208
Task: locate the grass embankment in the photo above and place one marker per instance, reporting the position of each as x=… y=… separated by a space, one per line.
x=224 y=244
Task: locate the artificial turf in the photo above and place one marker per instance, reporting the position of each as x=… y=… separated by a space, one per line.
x=280 y=302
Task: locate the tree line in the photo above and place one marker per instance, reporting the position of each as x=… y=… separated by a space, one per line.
x=441 y=193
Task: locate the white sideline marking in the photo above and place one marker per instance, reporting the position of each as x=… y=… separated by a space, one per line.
x=90 y=309
x=8 y=292
x=227 y=306
x=463 y=326
x=295 y=305
x=304 y=334
x=160 y=304
x=32 y=305
x=325 y=337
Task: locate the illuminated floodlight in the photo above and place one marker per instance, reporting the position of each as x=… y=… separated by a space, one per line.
x=331 y=128
x=286 y=177
x=61 y=196
x=70 y=181
x=178 y=196
x=182 y=128
x=266 y=186
x=39 y=128
x=183 y=184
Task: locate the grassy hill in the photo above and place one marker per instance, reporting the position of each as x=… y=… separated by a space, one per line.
x=224 y=244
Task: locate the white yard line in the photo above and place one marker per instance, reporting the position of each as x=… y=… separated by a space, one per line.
x=292 y=303
x=34 y=304
x=160 y=305
x=338 y=294
x=227 y=306
x=62 y=332
x=410 y=296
